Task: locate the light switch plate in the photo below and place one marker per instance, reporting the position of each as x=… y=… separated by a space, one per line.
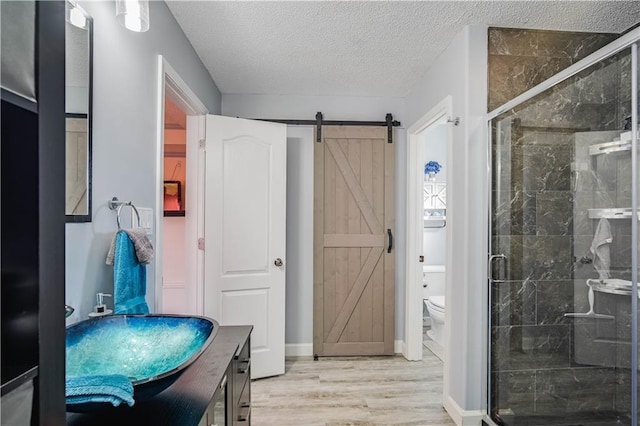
x=146 y=219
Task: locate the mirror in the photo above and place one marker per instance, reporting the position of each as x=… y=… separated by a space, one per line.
x=78 y=109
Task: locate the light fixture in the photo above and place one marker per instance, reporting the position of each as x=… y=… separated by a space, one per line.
x=133 y=14
x=75 y=15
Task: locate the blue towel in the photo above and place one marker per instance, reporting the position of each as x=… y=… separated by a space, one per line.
x=115 y=389
x=129 y=278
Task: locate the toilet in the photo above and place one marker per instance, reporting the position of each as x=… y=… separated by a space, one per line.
x=435 y=306
x=433 y=298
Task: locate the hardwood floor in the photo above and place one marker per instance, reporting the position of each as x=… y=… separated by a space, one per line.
x=352 y=391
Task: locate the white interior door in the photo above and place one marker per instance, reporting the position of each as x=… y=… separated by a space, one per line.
x=245 y=233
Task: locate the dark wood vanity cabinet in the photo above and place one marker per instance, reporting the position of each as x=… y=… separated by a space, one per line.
x=219 y=410
x=241 y=374
x=231 y=403
x=214 y=390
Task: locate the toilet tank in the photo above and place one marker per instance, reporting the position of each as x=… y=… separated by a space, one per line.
x=434 y=277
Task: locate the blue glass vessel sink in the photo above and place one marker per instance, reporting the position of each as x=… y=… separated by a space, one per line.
x=152 y=350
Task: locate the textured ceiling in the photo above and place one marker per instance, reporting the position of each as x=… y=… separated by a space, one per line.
x=359 y=48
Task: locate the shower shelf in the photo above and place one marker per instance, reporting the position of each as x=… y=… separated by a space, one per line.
x=611 y=213
x=614 y=286
x=620 y=145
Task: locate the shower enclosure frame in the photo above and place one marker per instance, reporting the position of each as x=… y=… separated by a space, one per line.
x=630 y=40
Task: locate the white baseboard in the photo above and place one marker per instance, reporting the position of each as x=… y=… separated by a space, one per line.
x=298 y=349
x=306 y=349
x=463 y=417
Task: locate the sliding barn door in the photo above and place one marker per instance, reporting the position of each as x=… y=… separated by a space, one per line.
x=353 y=252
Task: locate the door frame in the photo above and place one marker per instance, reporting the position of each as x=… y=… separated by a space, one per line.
x=412 y=349
x=170 y=82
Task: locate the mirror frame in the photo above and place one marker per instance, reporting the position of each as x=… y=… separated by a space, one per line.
x=84 y=218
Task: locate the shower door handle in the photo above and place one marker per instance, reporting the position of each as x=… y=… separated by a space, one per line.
x=490 y=263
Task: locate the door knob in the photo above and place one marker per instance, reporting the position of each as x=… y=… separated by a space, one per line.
x=278 y=262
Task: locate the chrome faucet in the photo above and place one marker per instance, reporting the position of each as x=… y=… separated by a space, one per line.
x=68 y=310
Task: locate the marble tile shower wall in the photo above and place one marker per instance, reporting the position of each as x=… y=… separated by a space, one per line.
x=545 y=185
x=520 y=59
x=533 y=351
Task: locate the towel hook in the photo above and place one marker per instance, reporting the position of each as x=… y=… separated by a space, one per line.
x=114 y=204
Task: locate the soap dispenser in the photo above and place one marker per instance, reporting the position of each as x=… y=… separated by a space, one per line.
x=100 y=308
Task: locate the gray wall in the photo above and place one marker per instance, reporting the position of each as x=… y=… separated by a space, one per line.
x=461 y=72
x=124 y=136
x=299 y=278
x=299 y=303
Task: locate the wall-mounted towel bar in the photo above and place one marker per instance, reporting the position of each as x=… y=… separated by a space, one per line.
x=439 y=222
x=435 y=217
x=117 y=205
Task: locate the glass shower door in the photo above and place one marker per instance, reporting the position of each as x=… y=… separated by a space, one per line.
x=561 y=266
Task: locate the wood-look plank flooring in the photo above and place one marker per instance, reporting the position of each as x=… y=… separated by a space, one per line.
x=352 y=391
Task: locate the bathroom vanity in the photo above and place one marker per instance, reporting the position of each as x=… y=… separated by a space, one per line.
x=214 y=390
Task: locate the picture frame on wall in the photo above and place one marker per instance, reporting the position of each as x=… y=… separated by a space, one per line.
x=173 y=204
